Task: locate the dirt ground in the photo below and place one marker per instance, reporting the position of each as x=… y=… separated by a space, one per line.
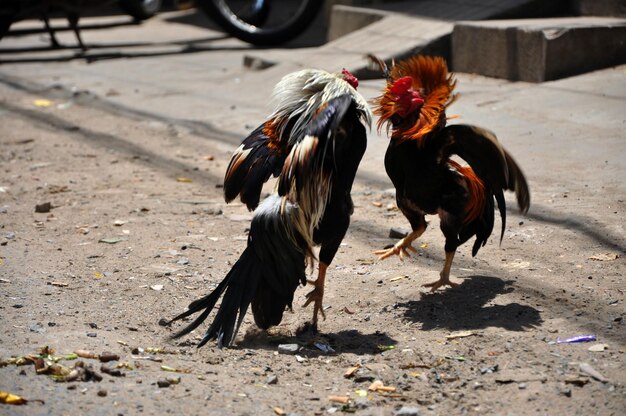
x=138 y=228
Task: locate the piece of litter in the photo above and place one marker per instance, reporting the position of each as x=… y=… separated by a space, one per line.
x=361 y=393
x=339 y=399
x=43 y=103
x=393 y=279
x=598 y=347
x=378 y=385
x=382 y=348
x=579 y=338
x=111 y=240
x=182 y=179
x=156 y=287
x=604 y=257
x=350 y=371
x=461 y=334
x=326 y=349
x=588 y=369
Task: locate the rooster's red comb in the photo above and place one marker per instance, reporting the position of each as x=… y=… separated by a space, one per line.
x=349 y=78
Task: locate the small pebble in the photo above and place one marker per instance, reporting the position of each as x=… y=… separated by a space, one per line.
x=407 y=411
x=102 y=393
x=92 y=334
x=288 y=348
x=43 y=208
x=163 y=383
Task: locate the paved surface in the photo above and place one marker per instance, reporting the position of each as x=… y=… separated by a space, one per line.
x=171 y=78
x=172 y=71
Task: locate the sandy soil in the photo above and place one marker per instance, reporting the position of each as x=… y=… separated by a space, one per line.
x=153 y=192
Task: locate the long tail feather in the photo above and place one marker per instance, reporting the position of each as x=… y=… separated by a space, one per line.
x=240 y=285
x=517 y=182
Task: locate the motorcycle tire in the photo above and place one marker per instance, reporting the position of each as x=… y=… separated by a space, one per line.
x=240 y=27
x=5 y=23
x=141 y=9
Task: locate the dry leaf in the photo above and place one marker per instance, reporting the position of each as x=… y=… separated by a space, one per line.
x=279 y=411
x=377 y=204
x=8 y=398
x=461 y=334
x=112 y=240
x=175 y=370
x=586 y=368
x=393 y=279
x=361 y=393
x=604 y=257
x=350 y=371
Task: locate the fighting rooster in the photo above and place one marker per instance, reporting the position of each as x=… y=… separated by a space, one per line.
x=313 y=142
x=419 y=162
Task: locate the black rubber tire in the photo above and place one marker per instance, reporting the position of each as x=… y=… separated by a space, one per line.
x=5 y=23
x=141 y=9
x=227 y=20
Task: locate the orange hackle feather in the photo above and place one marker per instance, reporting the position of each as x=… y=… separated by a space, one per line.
x=431 y=78
x=271 y=129
x=475 y=189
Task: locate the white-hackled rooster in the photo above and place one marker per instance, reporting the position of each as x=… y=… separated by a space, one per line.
x=313 y=142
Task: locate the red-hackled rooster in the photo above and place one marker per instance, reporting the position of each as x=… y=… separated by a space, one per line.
x=418 y=162
x=313 y=142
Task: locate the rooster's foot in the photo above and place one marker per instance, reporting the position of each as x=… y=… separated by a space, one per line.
x=444 y=280
x=401 y=248
x=316 y=296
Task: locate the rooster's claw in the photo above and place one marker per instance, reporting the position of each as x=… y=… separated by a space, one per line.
x=399 y=249
x=316 y=296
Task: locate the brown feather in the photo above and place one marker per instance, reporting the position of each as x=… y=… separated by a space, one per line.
x=476 y=191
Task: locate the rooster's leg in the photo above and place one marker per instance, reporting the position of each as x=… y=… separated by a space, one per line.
x=401 y=247
x=444 y=276
x=317 y=295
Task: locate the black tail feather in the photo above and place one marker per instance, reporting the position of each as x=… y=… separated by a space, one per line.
x=240 y=285
x=499 y=195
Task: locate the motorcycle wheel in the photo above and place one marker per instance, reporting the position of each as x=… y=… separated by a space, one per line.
x=141 y=9
x=251 y=20
x=5 y=23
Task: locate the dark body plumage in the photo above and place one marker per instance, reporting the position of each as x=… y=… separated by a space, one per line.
x=420 y=163
x=311 y=208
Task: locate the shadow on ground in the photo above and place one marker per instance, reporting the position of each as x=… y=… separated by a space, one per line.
x=346 y=341
x=467 y=307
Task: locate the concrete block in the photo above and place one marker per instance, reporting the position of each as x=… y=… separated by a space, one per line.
x=614 y=8
x=347 y=19
x=537 y=50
